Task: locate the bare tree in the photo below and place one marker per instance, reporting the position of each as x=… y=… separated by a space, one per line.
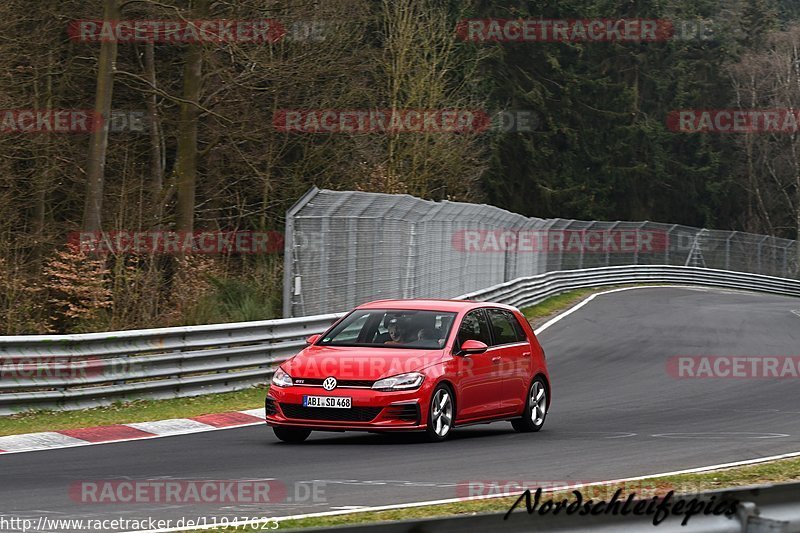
x=425 y=67
x=769 y=78
x=98 y=146
x=186 y=165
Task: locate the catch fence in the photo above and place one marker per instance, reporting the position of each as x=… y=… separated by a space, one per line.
x=344 y=248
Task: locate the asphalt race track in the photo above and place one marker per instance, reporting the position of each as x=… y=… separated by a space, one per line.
x=616 y=413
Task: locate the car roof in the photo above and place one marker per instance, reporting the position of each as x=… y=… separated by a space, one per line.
x=431 y=305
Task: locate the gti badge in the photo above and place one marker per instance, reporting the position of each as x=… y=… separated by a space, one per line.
x=329 y=383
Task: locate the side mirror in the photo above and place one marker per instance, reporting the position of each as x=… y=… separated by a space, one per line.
x=473 y=347
x=312 y=339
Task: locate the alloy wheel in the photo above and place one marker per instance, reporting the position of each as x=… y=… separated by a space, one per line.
x=538 y=403
x=442 y=412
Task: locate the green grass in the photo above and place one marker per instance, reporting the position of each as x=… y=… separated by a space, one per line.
x=136 y=411
x=772 y=472
x=558 y=303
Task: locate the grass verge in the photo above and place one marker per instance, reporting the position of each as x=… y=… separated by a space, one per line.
x=543 y=311
x=773 y=472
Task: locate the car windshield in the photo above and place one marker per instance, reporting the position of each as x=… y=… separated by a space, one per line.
x=392 y=328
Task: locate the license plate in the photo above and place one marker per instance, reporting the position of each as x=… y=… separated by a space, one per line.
x=336 y=402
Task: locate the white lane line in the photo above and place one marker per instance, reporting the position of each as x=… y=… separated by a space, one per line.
x=623 y=436
x=28 y=441
x=170 y=427
x=348 y=507
x=796 y=312
x=721 y=435
x=571 y=310
x=486 y=497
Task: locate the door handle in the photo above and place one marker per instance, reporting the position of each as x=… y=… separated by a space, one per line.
x=496 y=359
x=526 y=354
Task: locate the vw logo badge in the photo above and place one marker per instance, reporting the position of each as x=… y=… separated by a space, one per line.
x=329 y=383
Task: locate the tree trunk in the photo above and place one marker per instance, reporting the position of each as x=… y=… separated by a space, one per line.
x=186 y=164
x=156 y=153
x=42 y=178
x=98 y=145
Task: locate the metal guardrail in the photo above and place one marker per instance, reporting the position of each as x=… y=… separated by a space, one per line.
x=76 y=371
x=770 y=508
x=530 y=290
x=86 y=370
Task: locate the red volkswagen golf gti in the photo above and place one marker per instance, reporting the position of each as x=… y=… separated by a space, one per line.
x=426 y=365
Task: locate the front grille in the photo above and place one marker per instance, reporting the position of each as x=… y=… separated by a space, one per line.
x=408 y=412
x=344 y=383
x=354 y=414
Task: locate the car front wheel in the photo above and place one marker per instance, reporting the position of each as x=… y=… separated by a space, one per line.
x=440 y=414
x=293 y=435
x=535 y=408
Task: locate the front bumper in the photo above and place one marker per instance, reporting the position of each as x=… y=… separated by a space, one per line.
x=371 y=410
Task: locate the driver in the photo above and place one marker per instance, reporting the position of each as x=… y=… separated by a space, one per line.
x=396 y=331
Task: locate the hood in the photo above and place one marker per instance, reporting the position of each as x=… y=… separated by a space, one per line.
x=358 y=363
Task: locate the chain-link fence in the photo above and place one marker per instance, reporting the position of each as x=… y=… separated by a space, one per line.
x=346 y=248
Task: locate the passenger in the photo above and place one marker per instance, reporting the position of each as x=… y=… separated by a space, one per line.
x=427 y=334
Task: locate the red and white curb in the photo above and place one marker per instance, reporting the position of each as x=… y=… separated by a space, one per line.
x=69 y=438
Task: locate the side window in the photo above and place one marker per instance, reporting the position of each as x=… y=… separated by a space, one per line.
x=521 y=335
x=505 y=326
x=474 y=327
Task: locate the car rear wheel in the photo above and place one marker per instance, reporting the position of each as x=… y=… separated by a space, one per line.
x=535 y=408
x=293 y=435
x=440 y=414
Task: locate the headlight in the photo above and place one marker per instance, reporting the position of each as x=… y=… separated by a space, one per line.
x=401 y=382
x=281 y=378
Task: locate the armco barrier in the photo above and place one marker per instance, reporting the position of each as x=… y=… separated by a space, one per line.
x=771 y=508
x=85 y=370
x=523 y=292
x=76 y=371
